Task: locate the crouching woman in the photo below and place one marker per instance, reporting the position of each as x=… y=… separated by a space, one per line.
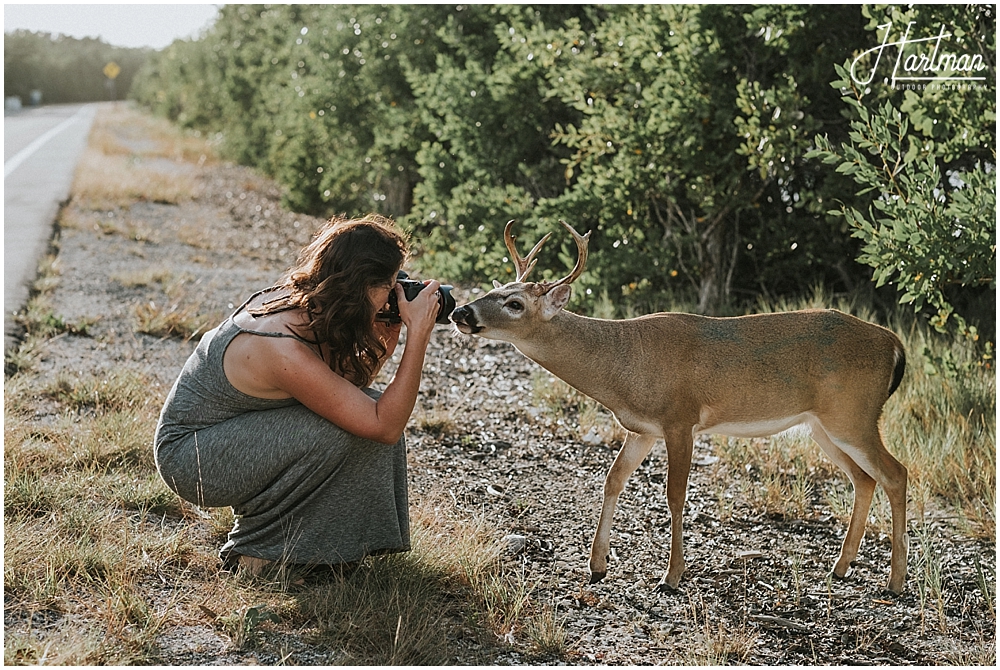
x=272 y=414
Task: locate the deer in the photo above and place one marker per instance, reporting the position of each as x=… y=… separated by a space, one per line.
x=674 y=376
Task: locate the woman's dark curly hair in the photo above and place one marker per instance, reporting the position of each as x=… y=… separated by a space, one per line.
x=331 y=282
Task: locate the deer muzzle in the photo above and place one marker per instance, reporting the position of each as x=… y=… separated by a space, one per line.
x=465 y=320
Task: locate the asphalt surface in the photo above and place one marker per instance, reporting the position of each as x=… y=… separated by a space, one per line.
x=41 y=149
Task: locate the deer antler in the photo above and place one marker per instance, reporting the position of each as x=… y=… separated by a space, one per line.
x=522 y=265
x=581 y=260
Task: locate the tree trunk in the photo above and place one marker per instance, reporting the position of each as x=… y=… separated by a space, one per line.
x=717 y=265
x=712 y=272
x=398 y=195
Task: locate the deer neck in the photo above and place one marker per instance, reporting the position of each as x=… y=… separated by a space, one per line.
x=581 y=351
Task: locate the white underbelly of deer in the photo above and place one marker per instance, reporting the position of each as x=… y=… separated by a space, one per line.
x=762 y=428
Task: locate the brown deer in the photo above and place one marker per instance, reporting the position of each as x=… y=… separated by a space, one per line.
x=674 y=376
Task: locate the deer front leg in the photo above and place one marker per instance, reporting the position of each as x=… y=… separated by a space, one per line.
x=635 y=448
x=680 y=443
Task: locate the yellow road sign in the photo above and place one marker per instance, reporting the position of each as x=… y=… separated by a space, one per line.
x=111 y=70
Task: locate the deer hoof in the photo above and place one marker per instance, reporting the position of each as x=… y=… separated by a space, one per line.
x=842 y=568
x=889 y=592
x=665 y=587
x=597 y=576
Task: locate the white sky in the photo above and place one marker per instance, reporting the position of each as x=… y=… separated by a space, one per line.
x=121 y=25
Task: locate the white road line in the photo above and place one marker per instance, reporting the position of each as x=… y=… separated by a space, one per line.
x=26 y=152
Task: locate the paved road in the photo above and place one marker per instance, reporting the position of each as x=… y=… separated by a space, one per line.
x=40 y=152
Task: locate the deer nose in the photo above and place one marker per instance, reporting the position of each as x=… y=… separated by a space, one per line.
x=463 y=315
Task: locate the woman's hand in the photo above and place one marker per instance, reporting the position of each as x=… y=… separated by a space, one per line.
x=420 y=313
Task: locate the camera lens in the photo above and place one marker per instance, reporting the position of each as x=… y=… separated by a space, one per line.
x=447 y=301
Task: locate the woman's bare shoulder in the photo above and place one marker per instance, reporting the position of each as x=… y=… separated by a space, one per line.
x=264 y=314
x=253 y=361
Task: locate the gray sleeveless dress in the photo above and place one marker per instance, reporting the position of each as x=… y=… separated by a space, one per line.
x=303 y=490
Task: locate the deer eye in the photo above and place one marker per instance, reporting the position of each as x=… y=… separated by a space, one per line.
x=515 y=305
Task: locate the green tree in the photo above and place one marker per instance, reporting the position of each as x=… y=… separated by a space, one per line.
x=66 y=69
x=924 y=159
x=182 y=83
x=312 y=94
x=489 y=157
x=688 y=152
x=677 y=134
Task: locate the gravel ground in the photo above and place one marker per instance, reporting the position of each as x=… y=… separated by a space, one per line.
x=756 y=590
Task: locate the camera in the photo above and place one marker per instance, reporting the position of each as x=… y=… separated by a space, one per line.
x=411 y=288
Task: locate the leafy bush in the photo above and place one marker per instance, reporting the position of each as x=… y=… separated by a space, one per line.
x=927 y=163
x=679 y=135
x=637 y=124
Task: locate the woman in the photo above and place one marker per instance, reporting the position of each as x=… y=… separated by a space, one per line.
x=272 y=415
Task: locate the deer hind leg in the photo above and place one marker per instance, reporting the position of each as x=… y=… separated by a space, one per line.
x=867 y=462
x=864 y=489
x=680 y=443
x=635 y=448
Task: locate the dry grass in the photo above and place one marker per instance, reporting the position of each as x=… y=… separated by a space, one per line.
x=942 y=424
x=194 y=236
x=546 y=633
x=171 y=319
x=560 y=400
x=123 y=130
x=177 y=314
x=40 y=320
x=78 y=531
x=470 y=549
x=94 y=540
x=780 y=476
x=107 y=182
x=145 y=277
x=151 y=162
x=712 y=641
x=436 y=421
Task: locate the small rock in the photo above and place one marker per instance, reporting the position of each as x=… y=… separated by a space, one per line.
x=514 y=544
x=898 y=649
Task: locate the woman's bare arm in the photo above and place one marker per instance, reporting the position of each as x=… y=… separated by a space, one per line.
x=293 y=368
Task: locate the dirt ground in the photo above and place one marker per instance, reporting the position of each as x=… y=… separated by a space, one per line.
x=756 y=590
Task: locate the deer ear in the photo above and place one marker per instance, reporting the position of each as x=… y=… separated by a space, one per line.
x=555 y=300
x=496 y=284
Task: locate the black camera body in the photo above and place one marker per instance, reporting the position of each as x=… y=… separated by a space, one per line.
x=411 y=288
